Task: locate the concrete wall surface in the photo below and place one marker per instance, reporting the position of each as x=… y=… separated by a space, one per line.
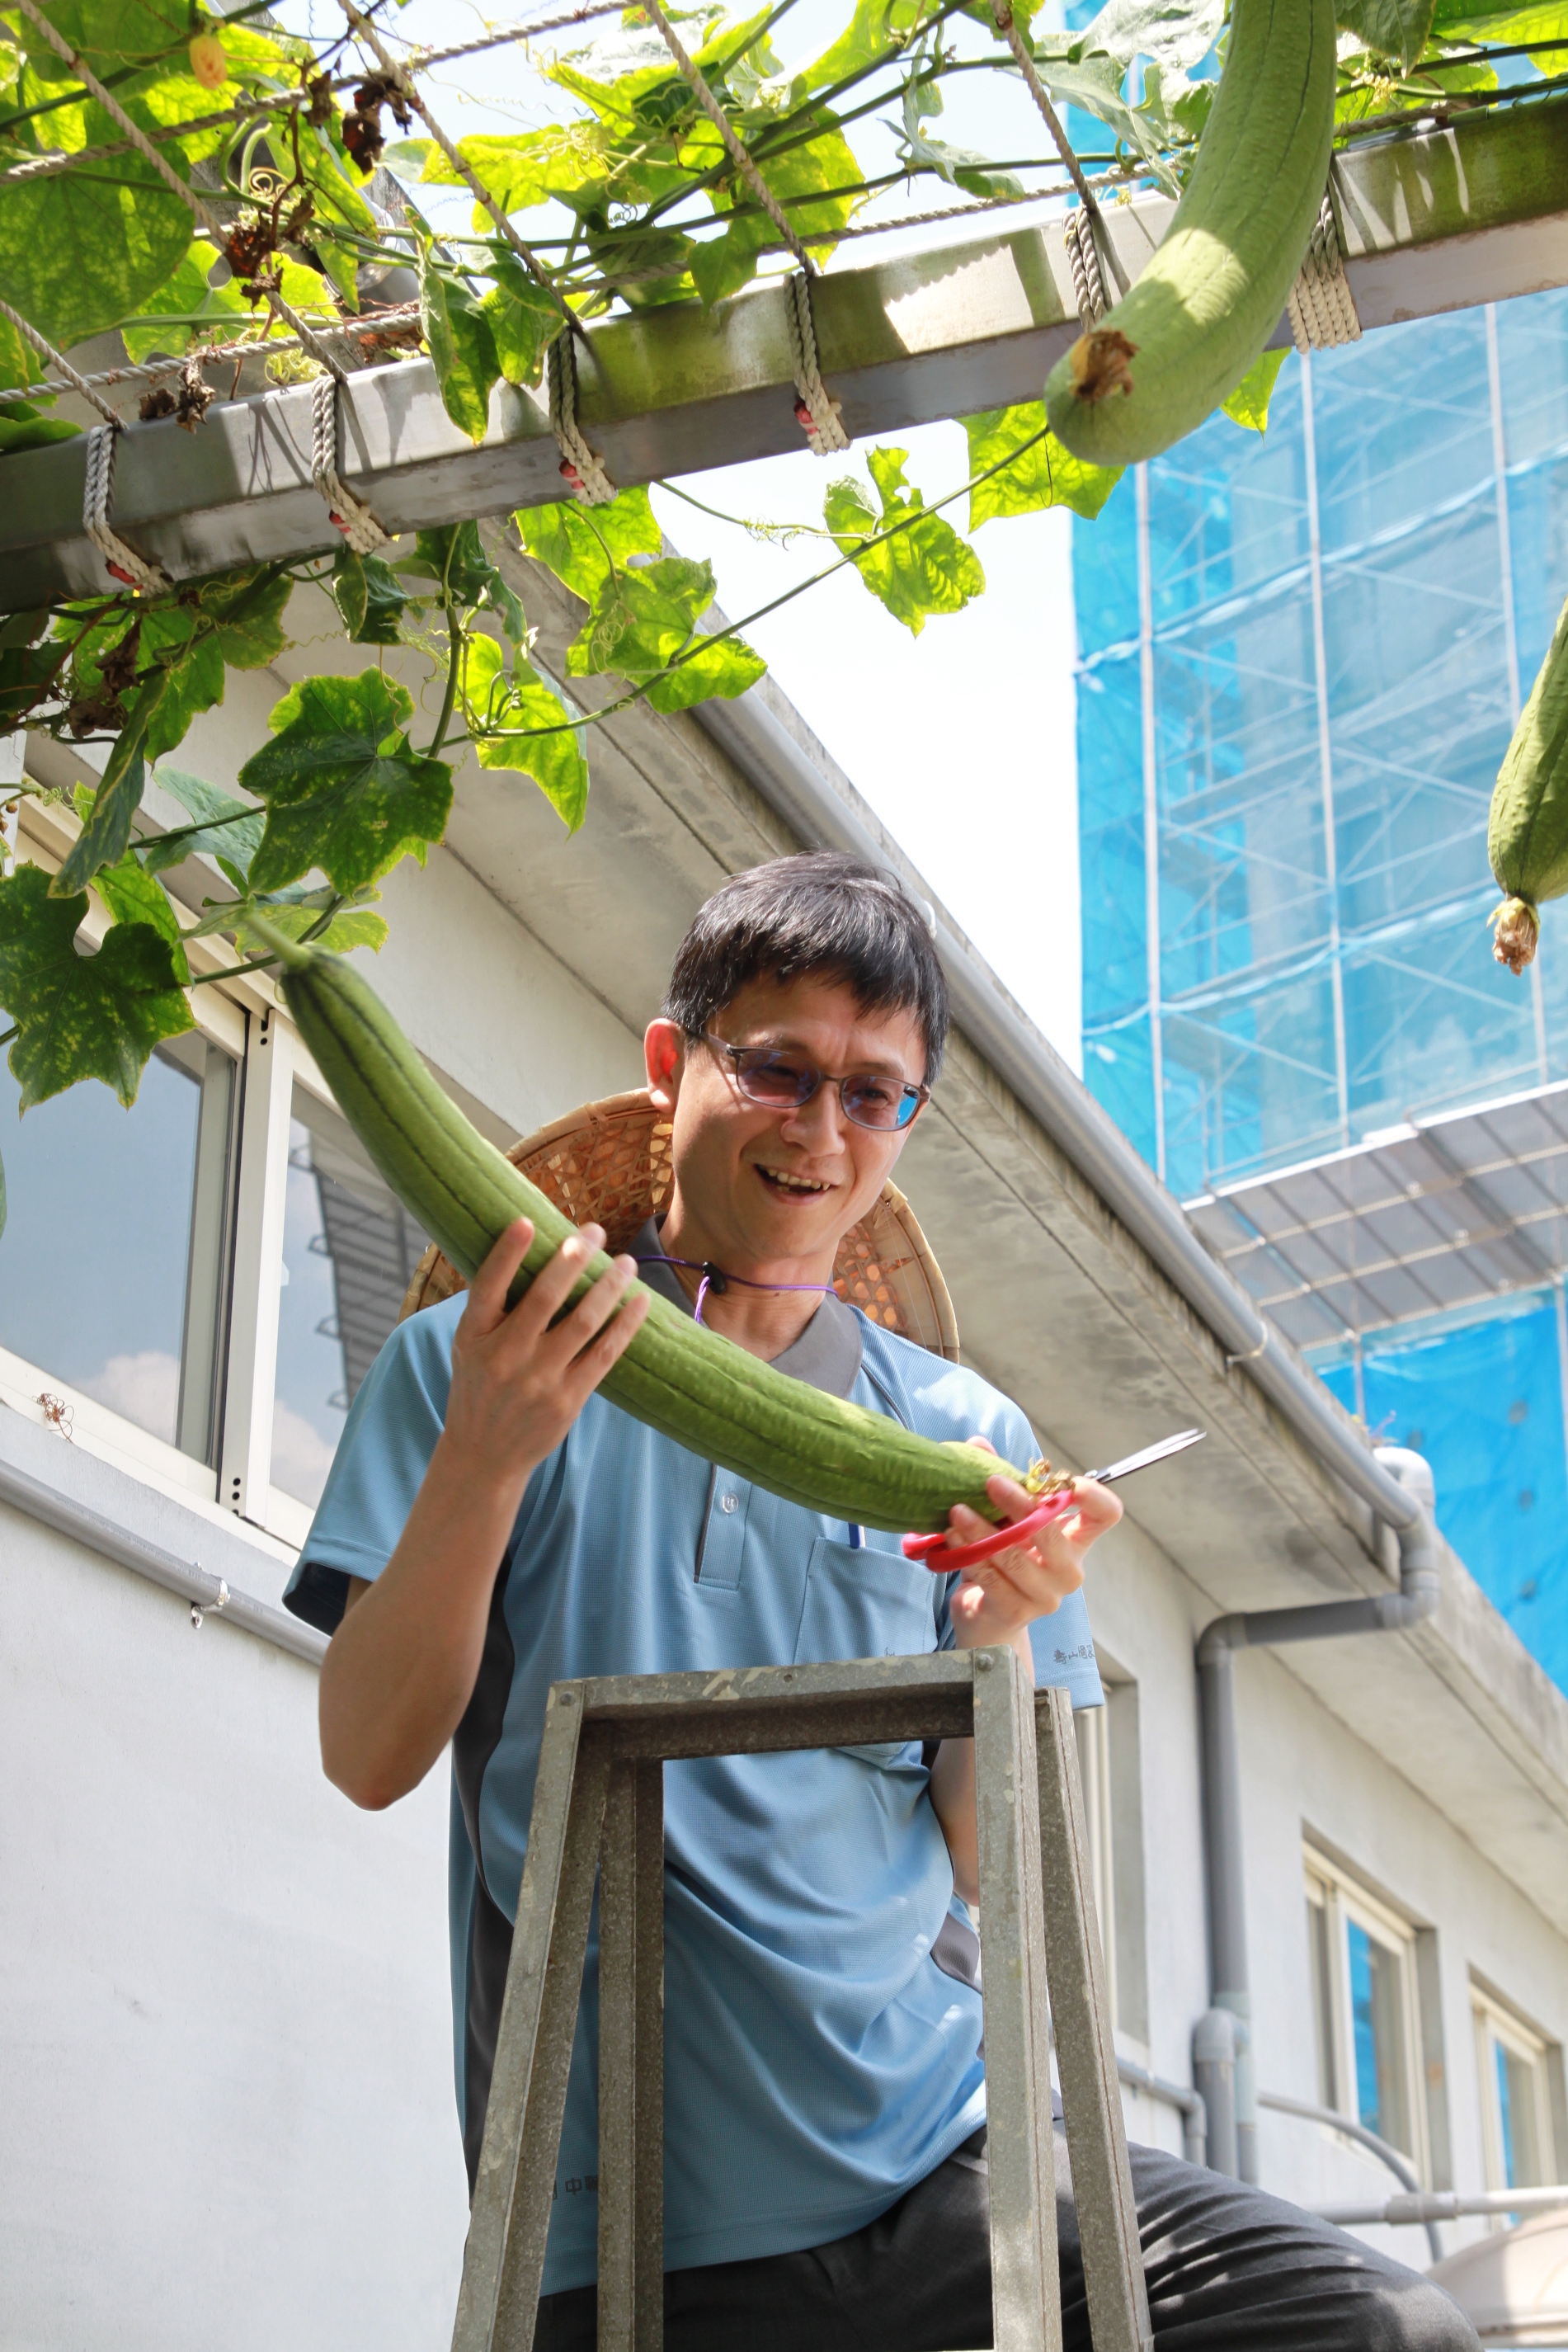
x=225 y=2066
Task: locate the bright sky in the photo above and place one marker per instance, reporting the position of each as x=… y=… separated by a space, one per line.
x=963 y=739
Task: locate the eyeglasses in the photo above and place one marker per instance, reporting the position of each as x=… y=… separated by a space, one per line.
x=781 y=1082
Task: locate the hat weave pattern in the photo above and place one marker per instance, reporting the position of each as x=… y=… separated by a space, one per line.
x=609 y=1164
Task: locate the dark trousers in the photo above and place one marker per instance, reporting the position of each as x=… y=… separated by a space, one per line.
x=1229 y=2270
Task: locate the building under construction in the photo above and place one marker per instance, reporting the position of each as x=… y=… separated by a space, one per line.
x=1303 y=656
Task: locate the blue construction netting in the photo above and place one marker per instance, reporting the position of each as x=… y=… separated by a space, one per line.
x=1301 y=660
x=1484 y=1404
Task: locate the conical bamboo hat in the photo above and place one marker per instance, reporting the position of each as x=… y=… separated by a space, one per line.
x=609 y=1164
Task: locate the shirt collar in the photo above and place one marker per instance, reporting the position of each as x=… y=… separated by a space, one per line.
x=826 y=1355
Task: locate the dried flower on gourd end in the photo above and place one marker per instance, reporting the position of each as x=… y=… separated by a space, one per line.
x=1100 y=363
x=1516 y=932
x=1040 y=1479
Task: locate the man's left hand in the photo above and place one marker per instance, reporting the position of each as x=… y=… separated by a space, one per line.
x=1000 y=1596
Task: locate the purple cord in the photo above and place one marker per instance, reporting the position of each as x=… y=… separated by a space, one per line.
x=713 y=1278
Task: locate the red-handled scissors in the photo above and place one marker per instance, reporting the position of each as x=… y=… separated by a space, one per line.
x=932 y=1550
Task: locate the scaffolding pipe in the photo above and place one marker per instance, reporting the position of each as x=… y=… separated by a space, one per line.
x=1388 y=1612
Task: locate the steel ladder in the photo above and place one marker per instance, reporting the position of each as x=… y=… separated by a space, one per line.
x=598 y=1815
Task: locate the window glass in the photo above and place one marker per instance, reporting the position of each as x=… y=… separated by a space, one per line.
x=1516 y=2099
x=1378 y=2024
x=349 y=1250
x=112 y=1265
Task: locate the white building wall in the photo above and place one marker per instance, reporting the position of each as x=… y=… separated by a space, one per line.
x=1304 y=1773
x=224 y=2031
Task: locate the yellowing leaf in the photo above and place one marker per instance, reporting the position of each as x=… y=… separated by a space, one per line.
x=1249 y=403
x=344 y=788
x=925 y=567
x=582 y=544
x=462 y=349
x=518 y=723
x=1042 y=474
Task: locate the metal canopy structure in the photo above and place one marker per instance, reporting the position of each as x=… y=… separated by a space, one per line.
x=1435 y=1217
x=1432 y=220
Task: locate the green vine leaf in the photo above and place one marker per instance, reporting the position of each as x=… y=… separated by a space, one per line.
x=345 y=791
x=81 y=1016
x=107 y=831
x=493 y=702
x=923 y=569
x=582 y=545
x=23 y=425
x=131 y=895
x=295 y=912
x=455 y=558
x=228 y=831
x=873 y=32
x=1044 y=474
x=369 y=598
x=643 y=617
x=529 y=168
x=462 y=347
x=522 y=319
x=722 y=265
x=81 y=252
x=1393 y=29
x=188 y=294
x=234 y=623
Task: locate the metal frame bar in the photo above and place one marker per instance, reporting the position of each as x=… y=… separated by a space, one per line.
x=1429 y=221
x=250 y=1373
x=598 y=1811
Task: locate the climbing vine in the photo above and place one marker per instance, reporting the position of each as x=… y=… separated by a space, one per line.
x=206 y=184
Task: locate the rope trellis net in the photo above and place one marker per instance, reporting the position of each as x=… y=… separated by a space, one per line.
x=1322 y=309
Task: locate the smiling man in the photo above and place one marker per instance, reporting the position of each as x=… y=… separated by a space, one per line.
x=493 y=1525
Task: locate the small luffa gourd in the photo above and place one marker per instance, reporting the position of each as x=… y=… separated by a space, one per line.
x=1527 y=835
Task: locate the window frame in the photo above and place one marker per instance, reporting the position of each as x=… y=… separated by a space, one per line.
x=1092 y=1728
x=1344 y=1900
x=1499 y=2025
x=41 y=836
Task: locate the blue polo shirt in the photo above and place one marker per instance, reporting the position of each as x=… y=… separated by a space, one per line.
x=822 y=2024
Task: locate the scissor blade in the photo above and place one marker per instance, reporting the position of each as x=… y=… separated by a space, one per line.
x=1131 y=1462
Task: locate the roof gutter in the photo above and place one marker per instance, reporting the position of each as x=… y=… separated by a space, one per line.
x=792 y=786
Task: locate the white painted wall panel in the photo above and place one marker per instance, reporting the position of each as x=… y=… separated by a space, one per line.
x=224 y=2044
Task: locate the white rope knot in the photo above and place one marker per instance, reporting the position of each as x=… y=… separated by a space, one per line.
x=819 y=414
x=347 y=514
x=1323 y=308
x=581 y=469
x=124 y=564
x=1084 y=260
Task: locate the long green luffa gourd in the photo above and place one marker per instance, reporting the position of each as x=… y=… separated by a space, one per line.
x=689 y=1382
x=1527 y=834
x=1198 y=318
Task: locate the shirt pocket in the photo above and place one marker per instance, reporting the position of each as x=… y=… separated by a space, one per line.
x=862 y=1604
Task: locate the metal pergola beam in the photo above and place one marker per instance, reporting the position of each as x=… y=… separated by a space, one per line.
x=1431 y=221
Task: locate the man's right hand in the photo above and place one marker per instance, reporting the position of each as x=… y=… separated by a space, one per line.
x=518 y=1378
x=402 y=1666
